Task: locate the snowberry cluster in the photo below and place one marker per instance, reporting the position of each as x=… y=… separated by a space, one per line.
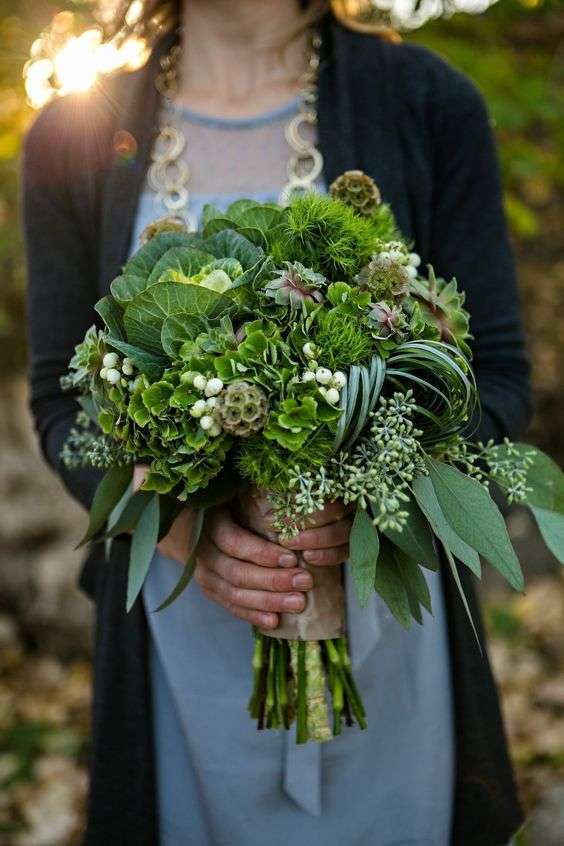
x=329 y=383
x=203 y=409
x=114 y=371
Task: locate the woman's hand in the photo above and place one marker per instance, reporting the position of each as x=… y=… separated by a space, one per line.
x=324 y=542
x=253 y=574
x=255 y=579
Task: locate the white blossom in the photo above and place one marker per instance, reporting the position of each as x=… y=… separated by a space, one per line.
x=213 y=387
x=110 y=360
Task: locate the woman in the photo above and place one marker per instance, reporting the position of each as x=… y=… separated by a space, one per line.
x=174 y=758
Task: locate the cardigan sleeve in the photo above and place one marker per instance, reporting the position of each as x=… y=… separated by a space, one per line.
x=469 y=240
x=60 y=287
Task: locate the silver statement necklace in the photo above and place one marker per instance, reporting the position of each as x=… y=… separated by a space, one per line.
x=169 y=174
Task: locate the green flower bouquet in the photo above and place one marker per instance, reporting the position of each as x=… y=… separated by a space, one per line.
x=303 y=353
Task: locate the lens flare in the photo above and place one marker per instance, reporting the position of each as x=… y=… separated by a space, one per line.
x=63 y=62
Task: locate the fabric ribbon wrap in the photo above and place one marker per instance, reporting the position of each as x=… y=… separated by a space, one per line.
x=306 y=658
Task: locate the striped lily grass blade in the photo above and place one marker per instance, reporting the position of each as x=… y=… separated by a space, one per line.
x=341 y=424
x=377 y=375
x=442 y=383
x=358 y=399
x=361 y=414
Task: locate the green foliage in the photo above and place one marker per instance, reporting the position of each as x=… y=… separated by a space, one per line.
x=266 y=464
x=342 y=340
x=325 y=235
x=293 y=423
x=475 y=518
x=364 y=547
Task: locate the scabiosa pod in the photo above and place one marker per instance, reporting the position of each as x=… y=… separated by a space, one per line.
x=169 y=223
x=242 y=409
x=356 y=189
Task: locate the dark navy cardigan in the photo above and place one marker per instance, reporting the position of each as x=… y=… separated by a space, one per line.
x=421 y=130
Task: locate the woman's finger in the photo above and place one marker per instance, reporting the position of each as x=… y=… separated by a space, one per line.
x=238 y=542
x=248 y=575
x=255 y=618
x=259 y=600
x=327 y=557
x=330 y=513
x=323 y=537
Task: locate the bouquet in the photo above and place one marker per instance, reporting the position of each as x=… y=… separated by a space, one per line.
x=303 y=352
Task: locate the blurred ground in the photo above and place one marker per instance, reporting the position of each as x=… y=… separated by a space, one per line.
x=45 y=626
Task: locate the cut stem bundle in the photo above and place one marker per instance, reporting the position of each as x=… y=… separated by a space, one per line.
x=295 y=679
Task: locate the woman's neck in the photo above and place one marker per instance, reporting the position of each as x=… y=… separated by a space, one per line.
x=233 y=62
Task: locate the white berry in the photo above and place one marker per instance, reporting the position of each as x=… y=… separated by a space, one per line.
x=332 y=396
x=187 y=378
x=339 y=379
x=110 y=360
x=113 y=376
x=199 y=408
x=323 y=375
x=200 y=382
x=414 y=259
x=309 y=350
x=322 y=390
x=411 y=271
x=309 y=376
x=213 y=387
x=395 y=255
x=206 y=422
x=104 y=373
x=211 y=402
x=215 y=430
x=127 y=367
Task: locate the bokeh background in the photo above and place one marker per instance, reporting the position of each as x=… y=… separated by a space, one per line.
x=514 y=50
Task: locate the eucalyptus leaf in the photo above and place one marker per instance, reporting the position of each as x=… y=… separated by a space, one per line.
x=413 y=579
x=427 y=500
x=364 y=545
x=458 y=583
x=190 y=566
x=476 y=519
x=127 y=520
x=544 y=477
x=389 y=585
x=143 y=545
x=551 y=527
x=114 y=516
x=108 y=493
x=416 y=539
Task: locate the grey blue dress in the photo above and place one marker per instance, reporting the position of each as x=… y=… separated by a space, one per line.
x=219 y=780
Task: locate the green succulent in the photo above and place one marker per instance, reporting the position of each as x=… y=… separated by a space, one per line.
x=441 y=306
x=296 y=285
